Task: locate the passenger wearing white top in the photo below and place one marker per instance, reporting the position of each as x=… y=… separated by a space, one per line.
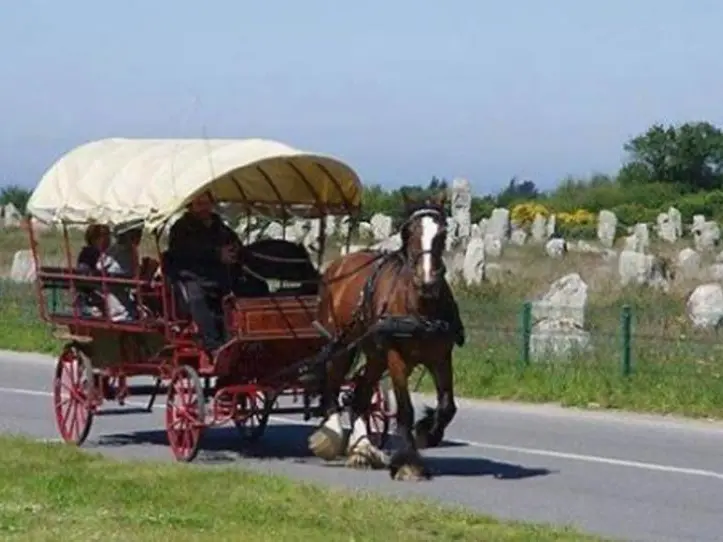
x=120 y=258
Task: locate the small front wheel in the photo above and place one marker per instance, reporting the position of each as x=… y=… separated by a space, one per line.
x=185 y=413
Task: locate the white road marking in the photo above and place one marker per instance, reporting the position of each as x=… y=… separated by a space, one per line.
x=475 y=444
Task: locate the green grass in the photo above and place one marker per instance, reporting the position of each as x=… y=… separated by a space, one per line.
x=56 y=492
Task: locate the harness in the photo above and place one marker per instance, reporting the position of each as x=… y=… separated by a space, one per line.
x=389 y=326
x=380 y=325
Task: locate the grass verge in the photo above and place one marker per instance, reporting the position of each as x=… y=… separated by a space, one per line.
x=50 y=491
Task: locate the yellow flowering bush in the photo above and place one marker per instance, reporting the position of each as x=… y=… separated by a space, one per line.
x=523 y=214
x=581 y=217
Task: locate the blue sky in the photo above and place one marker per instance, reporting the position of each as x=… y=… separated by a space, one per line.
x=402 y=90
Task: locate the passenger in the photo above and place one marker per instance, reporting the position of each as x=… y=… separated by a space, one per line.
x=97 y=239
x=120 y=259
x=204 y=255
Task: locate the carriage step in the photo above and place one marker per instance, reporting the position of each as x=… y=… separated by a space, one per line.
x=122 y=411
x=147 y=389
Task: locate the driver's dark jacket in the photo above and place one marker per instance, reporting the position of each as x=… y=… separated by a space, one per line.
x=194 y=249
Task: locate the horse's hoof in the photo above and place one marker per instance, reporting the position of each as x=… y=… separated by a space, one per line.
x=366 y=457
x=326 y=444
x=408 y=466
x=411 y=473
x=358 y=461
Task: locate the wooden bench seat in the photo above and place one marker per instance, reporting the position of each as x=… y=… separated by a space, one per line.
x=272 y=317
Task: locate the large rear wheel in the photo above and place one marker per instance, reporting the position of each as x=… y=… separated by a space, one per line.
x=185 y=413
x=73 y=395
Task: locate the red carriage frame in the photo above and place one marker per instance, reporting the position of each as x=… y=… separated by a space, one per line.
x=130 y=181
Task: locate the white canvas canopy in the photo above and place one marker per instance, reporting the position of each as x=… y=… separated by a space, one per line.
x=117 y=181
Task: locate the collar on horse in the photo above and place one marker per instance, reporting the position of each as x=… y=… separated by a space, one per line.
x=395 y=325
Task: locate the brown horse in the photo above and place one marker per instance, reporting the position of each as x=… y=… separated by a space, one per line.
x=396 y=308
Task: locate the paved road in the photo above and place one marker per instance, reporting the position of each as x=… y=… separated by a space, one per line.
x=625 y=476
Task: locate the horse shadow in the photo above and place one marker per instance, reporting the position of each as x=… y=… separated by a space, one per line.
x=288 y=442
x=480 y=466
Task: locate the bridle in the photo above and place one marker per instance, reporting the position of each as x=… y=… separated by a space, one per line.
x=411 y=262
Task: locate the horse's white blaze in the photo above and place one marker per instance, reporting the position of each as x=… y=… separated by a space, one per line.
x=429 y=231
x=333 y=423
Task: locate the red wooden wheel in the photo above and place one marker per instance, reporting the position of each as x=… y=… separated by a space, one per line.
x=73 y=398
x=252 y=416
x=185 y=413
x=377 y=420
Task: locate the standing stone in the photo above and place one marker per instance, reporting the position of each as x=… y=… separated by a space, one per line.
x=493 y=245
x=23 y=267
x=556 y=248
x=706 y=235
x=474 y=262
x=698 y=220
x=688 y=263
x=343 y=227
x=639 y=240
x=665 y=228
x=607 y=225
x=365 y=230
x=498 y=224
x=483 y=225
x=705 y=306
x=538 y=230
x=451 y=241
x=273 y=230
x=551 y=226
x=12 y=218
x=560 y=319
x=518 y=237
x=461 y=207
x=677 y=220
x=566 y=298
x=635 y=267
x=381 y=226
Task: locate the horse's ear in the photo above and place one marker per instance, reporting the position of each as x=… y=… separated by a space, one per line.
x=440 y=198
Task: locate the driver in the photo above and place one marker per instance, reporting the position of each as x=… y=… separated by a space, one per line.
x=204 y=253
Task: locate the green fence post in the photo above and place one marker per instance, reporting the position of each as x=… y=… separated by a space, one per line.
x=526 y=325
x=626 y=328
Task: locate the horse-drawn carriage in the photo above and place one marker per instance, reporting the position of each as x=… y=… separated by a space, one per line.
x=260 y=370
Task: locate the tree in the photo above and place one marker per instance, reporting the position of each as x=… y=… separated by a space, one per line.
x=690 y=155
x=16 y=195
x=517 y=191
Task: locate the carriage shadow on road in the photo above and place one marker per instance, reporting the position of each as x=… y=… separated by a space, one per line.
x=288 y=442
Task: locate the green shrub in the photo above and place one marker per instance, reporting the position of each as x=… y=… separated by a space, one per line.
x=630 y=214
x=577 y=231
